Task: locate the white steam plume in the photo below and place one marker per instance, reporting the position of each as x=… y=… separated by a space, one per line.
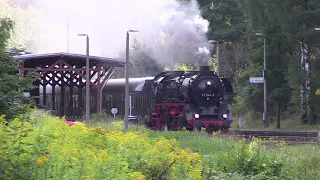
x=170 y=31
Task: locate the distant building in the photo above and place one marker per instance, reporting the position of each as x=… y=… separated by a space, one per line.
x=15 y=52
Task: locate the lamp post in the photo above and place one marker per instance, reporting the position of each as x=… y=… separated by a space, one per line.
x=68 y=38
x=126 y=103
x=87 y=80
x=265 y=115
x=217 y=54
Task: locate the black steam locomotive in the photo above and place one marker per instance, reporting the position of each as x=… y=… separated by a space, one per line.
x=169 y=101
x=191 y=99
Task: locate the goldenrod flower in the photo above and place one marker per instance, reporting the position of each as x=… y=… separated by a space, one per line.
x=42 y=160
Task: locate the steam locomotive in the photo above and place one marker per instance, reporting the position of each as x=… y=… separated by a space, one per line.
x=169 y=101
x=191 y=99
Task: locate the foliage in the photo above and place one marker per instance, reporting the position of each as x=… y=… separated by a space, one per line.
x=230 y=158
x=315 y=85
x=226 y=19
x=181 y=67
x=225 y=157
x=142 y=64
x=42 y=147
x=38 y=146
x=286 y=23
x=12 y=84
x=26 y=19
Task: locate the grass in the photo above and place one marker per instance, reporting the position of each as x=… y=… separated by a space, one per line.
x=41 y=147
x=298 y=161
x=228 y=158
x=290 y=123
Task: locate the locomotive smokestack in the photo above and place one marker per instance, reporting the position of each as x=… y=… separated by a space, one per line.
x=204 y=68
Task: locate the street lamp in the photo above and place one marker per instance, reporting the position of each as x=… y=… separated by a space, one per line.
x=87 y=80
x=217 y=53
x=317 y=29
x=265 y=117
x=68 y=38
x=126 y=103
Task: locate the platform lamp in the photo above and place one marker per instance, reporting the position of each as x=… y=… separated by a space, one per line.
x=265 y=115
x=126 y=103
x=87 y=79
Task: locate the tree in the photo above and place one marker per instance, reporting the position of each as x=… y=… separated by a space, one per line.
x=227 y=25
x=287 y=23
x=12 y=84
x=27 y=20
x=142 y=64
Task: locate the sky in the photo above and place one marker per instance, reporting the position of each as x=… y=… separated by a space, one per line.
x=165 y=27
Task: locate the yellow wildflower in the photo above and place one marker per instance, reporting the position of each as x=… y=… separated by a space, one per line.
x=42 y=160
x=137 y=176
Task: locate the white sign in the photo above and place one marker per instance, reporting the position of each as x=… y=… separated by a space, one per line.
x=256 y=80
x=26 y=94
x=242 y=121
x=114 y=111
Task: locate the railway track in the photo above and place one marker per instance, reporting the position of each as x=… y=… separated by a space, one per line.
x=287 y=136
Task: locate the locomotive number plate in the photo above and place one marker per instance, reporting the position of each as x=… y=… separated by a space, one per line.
x=207 y=95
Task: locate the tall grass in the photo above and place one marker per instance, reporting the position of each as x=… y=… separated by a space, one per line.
x=45 y=147
x=229 y=158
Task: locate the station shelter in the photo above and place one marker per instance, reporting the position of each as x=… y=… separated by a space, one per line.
x=62 y=82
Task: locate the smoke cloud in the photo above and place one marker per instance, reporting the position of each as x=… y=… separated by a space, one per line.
x=169 y=31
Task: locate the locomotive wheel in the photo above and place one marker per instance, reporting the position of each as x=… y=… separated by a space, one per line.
x=224 y=130
x=181 y=121
x=198 y=125
x=164 y=127
x=210 y=129
x=166 y=119
x=189 y=128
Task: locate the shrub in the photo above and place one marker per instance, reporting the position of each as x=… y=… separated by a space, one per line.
x=44 y=147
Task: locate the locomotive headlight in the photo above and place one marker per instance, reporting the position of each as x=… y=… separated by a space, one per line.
x=208 y=83
x=196 y=116
x=225 y=116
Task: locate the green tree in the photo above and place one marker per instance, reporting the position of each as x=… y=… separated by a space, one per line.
x=142 y=64
x=227 y=25
x=286 y=23
x=12 y=83
x=26 y=19
x=315 y=79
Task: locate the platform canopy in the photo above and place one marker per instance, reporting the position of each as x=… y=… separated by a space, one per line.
x=68 y=70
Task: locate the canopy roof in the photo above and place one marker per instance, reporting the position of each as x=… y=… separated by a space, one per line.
x=68 y=57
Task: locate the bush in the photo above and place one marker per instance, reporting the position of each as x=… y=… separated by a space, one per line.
x=44 y=147
x=228 y=158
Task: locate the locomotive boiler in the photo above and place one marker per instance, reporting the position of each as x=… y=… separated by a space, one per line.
x=191 y=99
